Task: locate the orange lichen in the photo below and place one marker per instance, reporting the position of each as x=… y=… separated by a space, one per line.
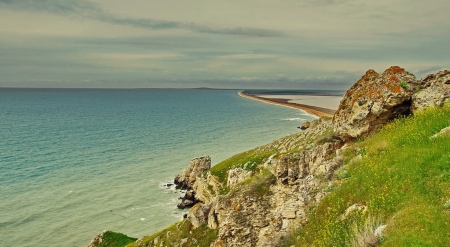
x=368 y=76
x=396 y=89
x=388 y=85
x=394 y=70
x=394 y=78
x=371 y=73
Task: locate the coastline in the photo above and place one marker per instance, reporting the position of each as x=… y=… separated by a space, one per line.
x=313 y=110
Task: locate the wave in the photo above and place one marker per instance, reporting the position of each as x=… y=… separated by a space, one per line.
x=294 y=119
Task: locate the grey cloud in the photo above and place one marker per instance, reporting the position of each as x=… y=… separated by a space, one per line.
x=237 y=31
x=86 y=9
x=60 y=7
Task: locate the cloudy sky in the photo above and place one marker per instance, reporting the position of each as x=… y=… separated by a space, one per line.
x=301 y=44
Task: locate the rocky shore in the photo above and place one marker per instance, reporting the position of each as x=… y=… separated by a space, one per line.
x=259 y=200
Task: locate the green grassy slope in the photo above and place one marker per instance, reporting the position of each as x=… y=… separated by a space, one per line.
x=402 y=176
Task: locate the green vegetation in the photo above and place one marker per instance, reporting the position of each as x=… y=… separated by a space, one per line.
x=404 y=84
x=173 y=235
x=114 y=239
x=402 y=176
x=247 y=160
x=256 y=186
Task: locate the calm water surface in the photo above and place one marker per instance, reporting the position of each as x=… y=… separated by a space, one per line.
x=76 y=162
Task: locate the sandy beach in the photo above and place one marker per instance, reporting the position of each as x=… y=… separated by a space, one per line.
x=320 y=106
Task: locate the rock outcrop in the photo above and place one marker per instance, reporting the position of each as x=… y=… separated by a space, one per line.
x=196 y=168
x=434 y=91
x=373 y=101
x=188 y=178
x=265 y=205
x=376 y=99
x=236 y=176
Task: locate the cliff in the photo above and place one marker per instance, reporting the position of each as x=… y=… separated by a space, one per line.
x=343 y=181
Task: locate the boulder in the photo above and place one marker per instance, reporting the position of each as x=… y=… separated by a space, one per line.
x=444 y=131
x=434 y=91
x=373 y=101
x=198 y=215
x=305 y=125
x=188 y=200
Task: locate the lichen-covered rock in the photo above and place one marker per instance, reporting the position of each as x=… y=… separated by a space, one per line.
x=435 y=90
x=373 y=101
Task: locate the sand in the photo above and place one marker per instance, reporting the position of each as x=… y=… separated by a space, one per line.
x=320 y=106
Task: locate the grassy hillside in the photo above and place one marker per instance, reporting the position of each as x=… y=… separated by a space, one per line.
x=402 y=176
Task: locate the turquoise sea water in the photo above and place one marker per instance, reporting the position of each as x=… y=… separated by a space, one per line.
x=76 y=162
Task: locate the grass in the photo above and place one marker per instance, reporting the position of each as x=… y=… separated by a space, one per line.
x=256 y=186
x=247 y=160
x=114 y=239
x=403 y=178
x=175 y=234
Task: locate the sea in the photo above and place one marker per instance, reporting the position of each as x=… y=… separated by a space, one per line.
x=75 y=162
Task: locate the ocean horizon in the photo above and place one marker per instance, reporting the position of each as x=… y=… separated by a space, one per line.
x=75 y=162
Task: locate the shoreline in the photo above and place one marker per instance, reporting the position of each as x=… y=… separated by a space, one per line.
x=313 y=110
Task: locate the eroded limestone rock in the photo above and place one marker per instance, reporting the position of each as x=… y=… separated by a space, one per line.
x=188 y=178
x=237 y=175
x=435 y=90
x=196 y=168
x=373 y=101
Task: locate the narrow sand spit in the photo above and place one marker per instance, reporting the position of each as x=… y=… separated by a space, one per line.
x=321 y=107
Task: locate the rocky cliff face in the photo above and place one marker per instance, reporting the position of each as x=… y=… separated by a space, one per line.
x=264 y=206
x=258 y=206
x=187 y=179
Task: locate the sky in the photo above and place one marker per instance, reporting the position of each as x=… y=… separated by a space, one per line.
x=283 y=44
